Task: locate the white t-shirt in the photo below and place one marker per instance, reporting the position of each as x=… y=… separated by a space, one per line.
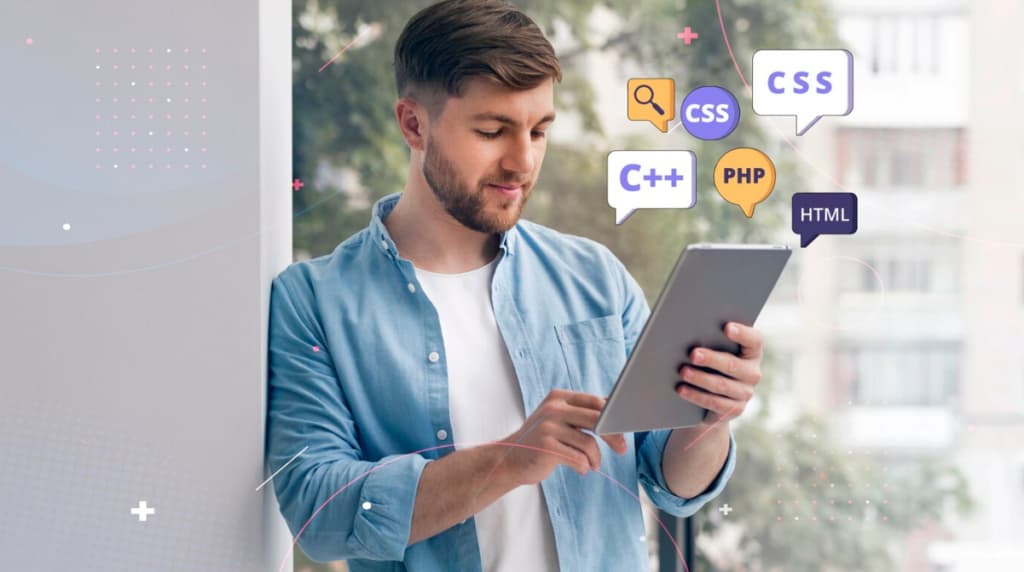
x=486 y=405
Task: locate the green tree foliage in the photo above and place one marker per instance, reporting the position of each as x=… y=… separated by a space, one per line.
x=809 y=505
x=344 y=122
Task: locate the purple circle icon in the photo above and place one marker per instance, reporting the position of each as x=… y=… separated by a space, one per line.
x=710 y=112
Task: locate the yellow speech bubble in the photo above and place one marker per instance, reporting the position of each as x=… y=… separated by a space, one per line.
x=651 y=99
x=745 y=177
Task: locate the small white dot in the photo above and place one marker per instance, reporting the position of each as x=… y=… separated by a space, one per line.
x=367 y=505
x=66 y=226
x=150 y=132
x=168 y=50
x=97 y=67
x=186 y=149
x=115 y=165
x=133 y=84
x=168 y=100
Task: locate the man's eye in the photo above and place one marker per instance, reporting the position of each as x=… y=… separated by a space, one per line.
x=538 y=134
x=489 y=134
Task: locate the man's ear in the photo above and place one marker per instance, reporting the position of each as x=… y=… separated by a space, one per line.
x=412 y=121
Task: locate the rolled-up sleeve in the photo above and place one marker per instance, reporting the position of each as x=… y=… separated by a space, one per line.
x=650 y=448
x=650 y=445
x=340 y=505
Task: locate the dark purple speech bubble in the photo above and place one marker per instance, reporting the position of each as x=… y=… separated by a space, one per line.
x=815 y=214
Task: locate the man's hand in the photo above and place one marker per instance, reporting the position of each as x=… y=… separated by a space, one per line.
x=555 y=428
x=724 y=394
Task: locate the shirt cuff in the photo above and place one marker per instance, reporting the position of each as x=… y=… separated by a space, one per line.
x=658 y=491
x=383 y=518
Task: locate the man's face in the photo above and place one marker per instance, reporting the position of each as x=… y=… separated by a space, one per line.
x=484 y=150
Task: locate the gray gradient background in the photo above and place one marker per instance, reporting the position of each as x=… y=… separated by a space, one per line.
x=133 y=346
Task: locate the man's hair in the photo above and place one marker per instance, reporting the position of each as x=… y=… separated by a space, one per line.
x=445 y=45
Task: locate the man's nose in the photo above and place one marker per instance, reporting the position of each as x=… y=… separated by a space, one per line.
x=519 y=156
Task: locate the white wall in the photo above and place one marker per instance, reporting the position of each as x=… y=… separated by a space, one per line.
x=134 y=300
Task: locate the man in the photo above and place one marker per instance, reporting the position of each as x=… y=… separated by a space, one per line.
x=444 y=364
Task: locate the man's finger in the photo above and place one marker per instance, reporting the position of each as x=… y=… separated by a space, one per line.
x=750 y=340
x=585 y=400
x=723 y=362
x=572 y=457
x=583 y=443
x=726 y=408
x=616 y=441
x=580 y=416
x=717 y=384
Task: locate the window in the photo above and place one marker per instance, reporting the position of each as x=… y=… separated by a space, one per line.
x=904 y=44
x=903 y=373
x=931 y=159
x=902 y=265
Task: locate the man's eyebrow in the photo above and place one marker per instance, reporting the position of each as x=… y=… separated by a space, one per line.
x=491 y=116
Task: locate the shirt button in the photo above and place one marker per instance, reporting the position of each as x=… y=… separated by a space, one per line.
x=656 y=488
x=384 y=243
x=412 y=288
x=434 y=356
x=441 y=436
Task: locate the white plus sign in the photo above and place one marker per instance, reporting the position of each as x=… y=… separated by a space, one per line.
x=143 y=511
x=725 y=509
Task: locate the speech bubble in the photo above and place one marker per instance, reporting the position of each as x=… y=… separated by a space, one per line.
x=651 y=180
x=710 y=112
x=651 y=99
x=815 y=214
x=808 y=84
x=745 y=177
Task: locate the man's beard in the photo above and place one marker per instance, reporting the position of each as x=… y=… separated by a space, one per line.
x=466 y=206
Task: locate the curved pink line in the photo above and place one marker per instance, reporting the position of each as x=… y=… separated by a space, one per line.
x=338 y=55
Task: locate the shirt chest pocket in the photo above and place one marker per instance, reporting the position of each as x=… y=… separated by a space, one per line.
x=594 y=352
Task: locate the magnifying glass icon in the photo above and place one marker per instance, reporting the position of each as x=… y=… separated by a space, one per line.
x=650 y=98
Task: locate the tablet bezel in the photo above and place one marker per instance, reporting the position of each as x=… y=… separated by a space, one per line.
x=739 y=262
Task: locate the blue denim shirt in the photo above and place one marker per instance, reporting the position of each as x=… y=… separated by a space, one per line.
x=357 y=375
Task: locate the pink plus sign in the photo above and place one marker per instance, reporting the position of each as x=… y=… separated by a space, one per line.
x=297 y=184
x=687 y=35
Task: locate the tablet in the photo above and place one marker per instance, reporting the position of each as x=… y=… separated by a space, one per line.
x=710 y=285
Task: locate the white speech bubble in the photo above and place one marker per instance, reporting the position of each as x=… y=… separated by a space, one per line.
x=651 y=180
x=809 y=84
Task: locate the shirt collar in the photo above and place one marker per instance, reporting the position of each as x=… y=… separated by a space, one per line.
x=383 y=207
